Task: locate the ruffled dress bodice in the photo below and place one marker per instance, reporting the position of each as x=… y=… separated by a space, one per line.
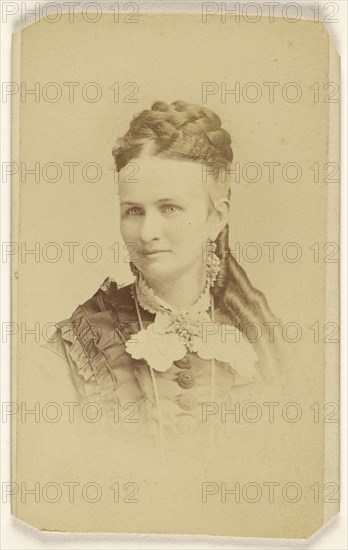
x=93 y=344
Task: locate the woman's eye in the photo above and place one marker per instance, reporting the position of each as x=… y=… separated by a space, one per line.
x=133 y=211
x=170 y=208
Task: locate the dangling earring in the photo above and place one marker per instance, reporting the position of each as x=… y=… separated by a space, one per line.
x=213 y=263
x=213 y=245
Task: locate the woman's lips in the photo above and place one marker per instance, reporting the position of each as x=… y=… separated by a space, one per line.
x=154 y=253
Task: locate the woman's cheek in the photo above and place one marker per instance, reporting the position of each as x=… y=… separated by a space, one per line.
x=128 y=230
x=188 y=224
x=180 y=234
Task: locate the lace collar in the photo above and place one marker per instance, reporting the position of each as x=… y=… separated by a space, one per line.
x=174 y=333
x=154 y=304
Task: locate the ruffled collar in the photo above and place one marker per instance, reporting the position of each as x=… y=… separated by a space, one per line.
x=175 y=332
x=154 y=304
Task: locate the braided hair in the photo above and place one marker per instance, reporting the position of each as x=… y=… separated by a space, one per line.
x=186 y=131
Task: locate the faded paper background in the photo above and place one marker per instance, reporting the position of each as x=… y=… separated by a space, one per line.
x=169 y=57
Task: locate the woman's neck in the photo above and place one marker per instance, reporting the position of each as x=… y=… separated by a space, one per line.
x=183 y=291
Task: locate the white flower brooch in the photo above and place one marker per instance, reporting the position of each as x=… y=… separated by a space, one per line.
x=173 y=334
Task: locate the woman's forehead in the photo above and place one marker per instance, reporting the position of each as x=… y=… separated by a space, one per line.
x=150 y=166
x=154 y=177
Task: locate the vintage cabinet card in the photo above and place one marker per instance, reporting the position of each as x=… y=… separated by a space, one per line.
x=174 y=258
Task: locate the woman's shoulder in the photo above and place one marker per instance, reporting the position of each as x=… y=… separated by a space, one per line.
x=111 y=308
x=89 y=341
x=109 y=295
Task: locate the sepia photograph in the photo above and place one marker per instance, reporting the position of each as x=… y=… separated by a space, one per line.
x=175 y=270
x=177 y=338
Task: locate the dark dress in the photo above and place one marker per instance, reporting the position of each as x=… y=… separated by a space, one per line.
x=94 y=366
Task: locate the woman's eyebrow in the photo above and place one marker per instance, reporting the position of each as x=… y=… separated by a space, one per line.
x=159 y=201
x=171 y=199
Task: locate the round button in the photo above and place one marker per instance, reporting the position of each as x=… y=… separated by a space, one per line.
x=188 y=401
x=184 y=363
x=186 y=379
x=186 y=424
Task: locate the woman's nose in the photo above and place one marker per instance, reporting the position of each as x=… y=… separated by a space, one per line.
x=151 y=227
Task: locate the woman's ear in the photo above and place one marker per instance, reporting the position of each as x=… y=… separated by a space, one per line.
x=219 y=217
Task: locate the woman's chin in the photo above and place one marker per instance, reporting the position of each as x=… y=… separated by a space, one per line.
x=158 y=269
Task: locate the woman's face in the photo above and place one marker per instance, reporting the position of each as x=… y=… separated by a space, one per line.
x=164 y=215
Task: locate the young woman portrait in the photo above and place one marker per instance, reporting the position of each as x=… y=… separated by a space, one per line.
x=191 y=328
